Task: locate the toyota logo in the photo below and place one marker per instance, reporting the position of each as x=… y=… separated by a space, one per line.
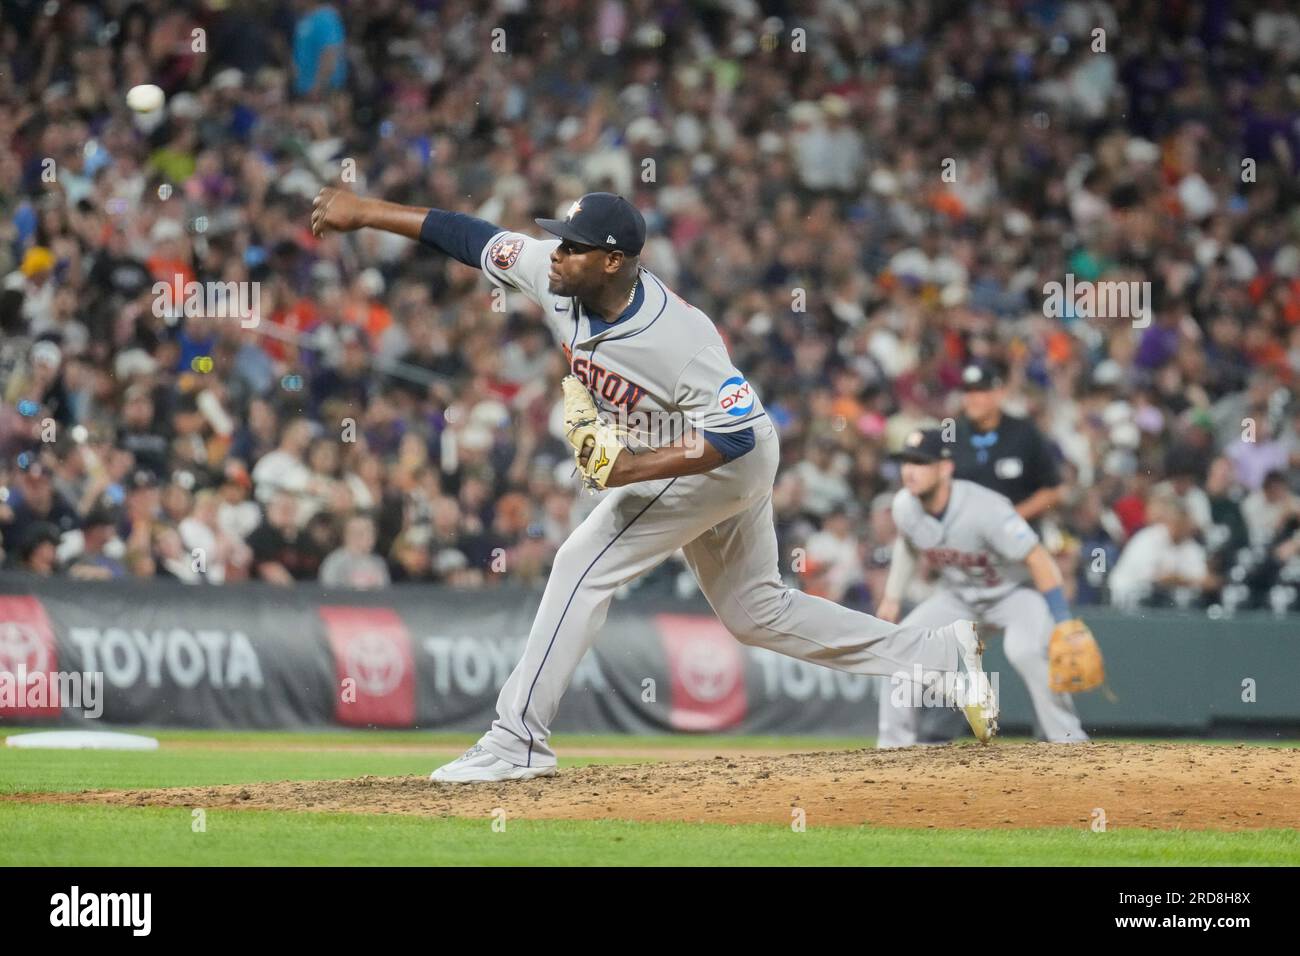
x=21 y=646
x=705 y=673
x=375 y=662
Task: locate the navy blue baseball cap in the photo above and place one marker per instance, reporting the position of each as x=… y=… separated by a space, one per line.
x=602 y=220
x=924 y=447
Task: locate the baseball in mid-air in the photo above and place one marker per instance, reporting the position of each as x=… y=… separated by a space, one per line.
x=145 y=98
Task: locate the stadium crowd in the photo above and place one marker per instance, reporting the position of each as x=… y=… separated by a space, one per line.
x=863 y=196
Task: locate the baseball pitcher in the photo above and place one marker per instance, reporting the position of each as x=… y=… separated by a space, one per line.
x=635 y=348
x=987 y=557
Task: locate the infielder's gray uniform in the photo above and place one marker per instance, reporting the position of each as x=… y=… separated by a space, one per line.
x=667 y=357
x=979 y=545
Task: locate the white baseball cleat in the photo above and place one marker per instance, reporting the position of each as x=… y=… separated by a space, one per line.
x=979 y=700
x=477 y=765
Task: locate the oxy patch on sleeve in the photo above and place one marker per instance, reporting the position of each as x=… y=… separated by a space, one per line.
x=736 y=396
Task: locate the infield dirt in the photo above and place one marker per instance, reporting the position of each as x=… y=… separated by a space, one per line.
x=1150 y=786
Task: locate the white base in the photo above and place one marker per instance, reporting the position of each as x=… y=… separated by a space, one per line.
x=83 y=740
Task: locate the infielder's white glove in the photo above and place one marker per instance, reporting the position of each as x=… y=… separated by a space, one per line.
x=583 y=428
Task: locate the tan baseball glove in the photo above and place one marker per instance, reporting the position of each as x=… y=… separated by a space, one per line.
x=1074 y=659
x=583 y=427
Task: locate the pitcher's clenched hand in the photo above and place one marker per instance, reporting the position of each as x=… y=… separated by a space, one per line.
x=337 y=210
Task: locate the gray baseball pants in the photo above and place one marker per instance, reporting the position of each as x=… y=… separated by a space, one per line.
x=722 y=521
x=1027 y=624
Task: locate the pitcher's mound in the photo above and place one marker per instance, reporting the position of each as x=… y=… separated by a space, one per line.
x=1160 y=786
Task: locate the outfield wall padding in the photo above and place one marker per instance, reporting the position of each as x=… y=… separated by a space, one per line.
x=257 y=656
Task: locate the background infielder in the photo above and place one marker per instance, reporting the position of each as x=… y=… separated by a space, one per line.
x=1006 y=454
x=638 y=348
x=987 y=556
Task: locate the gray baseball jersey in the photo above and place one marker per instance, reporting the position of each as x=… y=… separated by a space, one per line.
x=979 y=543
x=666 y=359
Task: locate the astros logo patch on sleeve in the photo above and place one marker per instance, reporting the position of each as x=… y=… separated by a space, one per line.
x=504 y=252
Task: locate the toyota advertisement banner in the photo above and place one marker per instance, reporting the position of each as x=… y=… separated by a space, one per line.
x=263 y=657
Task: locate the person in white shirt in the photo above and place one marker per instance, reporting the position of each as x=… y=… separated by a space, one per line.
x=1266 y=509
x=355 y=564
x=823 y=479
x=237 y=516
x=834 y=549
x=1162 y=556
x=1183 y=472
x=284 y=468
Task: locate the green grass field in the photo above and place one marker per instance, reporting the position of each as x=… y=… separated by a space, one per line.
x=36 y=834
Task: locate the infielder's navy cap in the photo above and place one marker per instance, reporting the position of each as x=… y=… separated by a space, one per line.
x=602 y=220
x=981 y=374
x=924 y=447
